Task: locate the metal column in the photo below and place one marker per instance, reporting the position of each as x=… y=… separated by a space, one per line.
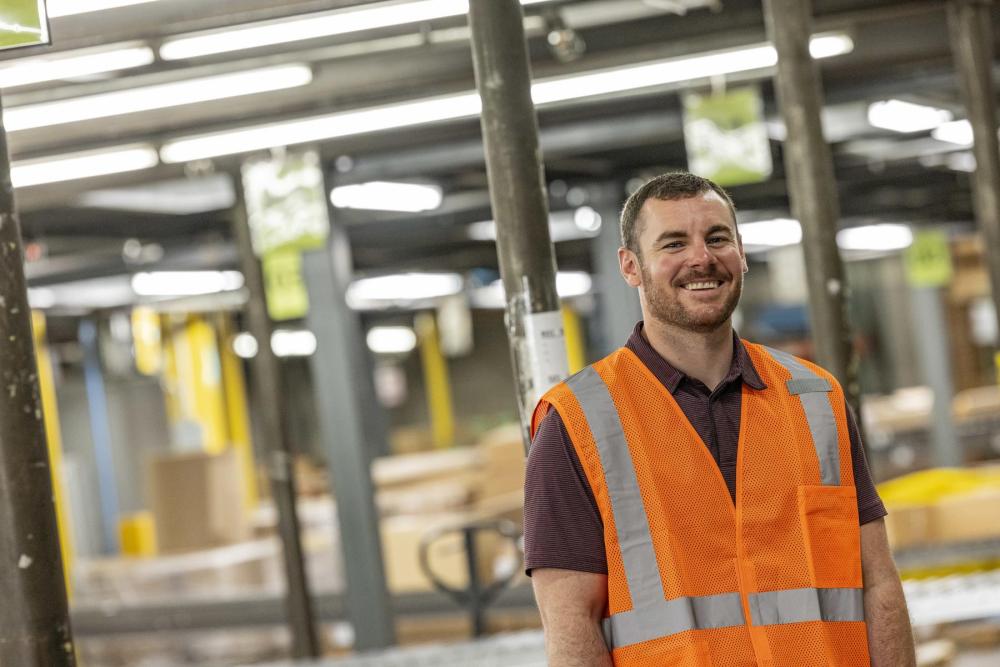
x=812 y=188
x=971 y=25
x=931 y=334
x=518 y=197
x=277 y=444
x=100 y=429
x=346 y=401
x=34 y=617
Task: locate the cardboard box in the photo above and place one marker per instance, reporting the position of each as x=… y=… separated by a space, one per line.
x=197 y=501
x=967 y=517
x=909 y=526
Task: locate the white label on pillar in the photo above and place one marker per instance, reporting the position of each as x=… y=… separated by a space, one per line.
x=546 y=342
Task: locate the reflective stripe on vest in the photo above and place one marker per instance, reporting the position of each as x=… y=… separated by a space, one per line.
x=811 y=390
x=652 y=616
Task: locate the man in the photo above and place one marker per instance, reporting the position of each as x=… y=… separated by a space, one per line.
x=697 y=500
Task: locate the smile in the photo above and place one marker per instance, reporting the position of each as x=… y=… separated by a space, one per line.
x=704 y=285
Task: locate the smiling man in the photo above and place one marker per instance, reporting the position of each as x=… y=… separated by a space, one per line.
x=697 y=500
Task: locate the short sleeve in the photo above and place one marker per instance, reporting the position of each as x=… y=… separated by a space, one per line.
x=562 y=526
x=870 y=506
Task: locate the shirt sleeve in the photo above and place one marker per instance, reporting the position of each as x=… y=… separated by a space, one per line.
x=562 y=526
x=870 y=506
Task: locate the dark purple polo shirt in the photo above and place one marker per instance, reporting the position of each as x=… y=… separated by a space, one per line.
x=562 y=525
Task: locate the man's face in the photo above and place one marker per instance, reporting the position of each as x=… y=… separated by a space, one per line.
x=691 y=262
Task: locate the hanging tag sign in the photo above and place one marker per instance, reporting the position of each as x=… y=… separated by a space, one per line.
x=23 y=23
x=546 y=342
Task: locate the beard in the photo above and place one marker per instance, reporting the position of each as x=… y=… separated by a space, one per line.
x=669 y=310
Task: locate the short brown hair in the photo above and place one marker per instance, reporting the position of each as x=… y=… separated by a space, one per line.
x=668 y=187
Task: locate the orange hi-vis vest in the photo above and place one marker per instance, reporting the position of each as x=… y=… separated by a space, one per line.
x=694 y=581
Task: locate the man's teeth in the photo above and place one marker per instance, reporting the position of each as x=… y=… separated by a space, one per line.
x=710 y=284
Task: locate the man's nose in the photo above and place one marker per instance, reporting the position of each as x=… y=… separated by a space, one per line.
x=700 y=254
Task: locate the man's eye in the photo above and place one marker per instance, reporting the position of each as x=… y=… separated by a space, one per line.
x=673 y=245
x=717 y=240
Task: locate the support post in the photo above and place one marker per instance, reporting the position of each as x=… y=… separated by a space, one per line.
x=971 y=26
x=277 y=443
x=34 y=614
x=518 y=198
x=812 y=188
x=348 y=412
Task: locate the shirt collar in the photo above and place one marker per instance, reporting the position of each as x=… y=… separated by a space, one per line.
x=742 y=366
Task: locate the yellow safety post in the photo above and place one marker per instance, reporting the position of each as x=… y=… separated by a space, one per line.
x=137 y=534
x=50 y=409
x=575 y=353
x=238 y=418
x=996 y=364
x=147 y=340
x=206 y=379
x=436 y=382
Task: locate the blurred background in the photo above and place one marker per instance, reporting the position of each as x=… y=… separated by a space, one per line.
x=347 y=135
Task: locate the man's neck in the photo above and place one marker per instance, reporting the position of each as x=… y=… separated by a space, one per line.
x=706 y=357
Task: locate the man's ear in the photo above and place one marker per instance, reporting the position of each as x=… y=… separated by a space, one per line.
x=743 y=254
x=628 y=264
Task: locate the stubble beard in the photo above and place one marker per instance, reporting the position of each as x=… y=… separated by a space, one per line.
x=673 y=313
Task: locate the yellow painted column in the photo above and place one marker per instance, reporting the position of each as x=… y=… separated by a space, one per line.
x=237 y=411
x=436 y=382
x=206 y=380
x=50 y=410
x=575 y=352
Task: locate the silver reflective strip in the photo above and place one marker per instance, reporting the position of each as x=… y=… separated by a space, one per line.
x=806 y=385
x=669 y=617
x=819 y=415
x=642 y=572
x=801 y=605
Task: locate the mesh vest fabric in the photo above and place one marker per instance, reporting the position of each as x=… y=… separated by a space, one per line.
x=788 y=553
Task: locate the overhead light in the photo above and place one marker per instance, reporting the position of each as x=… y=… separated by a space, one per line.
x=289 y=343
x=386 y=196
x=391 y=340
x=573 y=283
x=183 y=196
x=328 y=24
x=880 y=237
x=900 y=116
x=581 y=223
x=185 y=283
x=569 y=284
x=57 y=67
x=87 y=164
x=57 y=8
x=771 y=233
x=468 y=105
x=40 y=298
x=956 y=132
x=159 y=96
x=401 y=289
x=245 y=345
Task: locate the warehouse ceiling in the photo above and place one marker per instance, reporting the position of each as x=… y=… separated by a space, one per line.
x=175 y=214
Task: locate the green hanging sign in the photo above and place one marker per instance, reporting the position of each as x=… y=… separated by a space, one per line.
x=726 y=138
x=23 y=23
x=286 y=210
x=928 y=260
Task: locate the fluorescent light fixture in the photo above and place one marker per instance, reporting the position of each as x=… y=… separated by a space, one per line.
x=568 y=285
x=245 y=345
x=27 y=71
x=581 y=223
x=72 y=166
x=82 y=295
x=401 y=289
x=771 y=233
x=289 y=343
x=391 y=340
x=386 y=196
x=328 y=24
x=468 y=105
x=573 y=283
x=186 y=283
x=880 y=237
x=587 y=219
x=830 y=45
x=159 y=96
x=41 y=297
x=900 y=116
x=184 y=196
x=956 y=132
x=57 y=8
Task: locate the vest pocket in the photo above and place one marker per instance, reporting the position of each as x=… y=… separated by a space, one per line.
x=829 y=517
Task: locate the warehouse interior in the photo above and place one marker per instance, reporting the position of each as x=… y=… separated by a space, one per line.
x=148 y=132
